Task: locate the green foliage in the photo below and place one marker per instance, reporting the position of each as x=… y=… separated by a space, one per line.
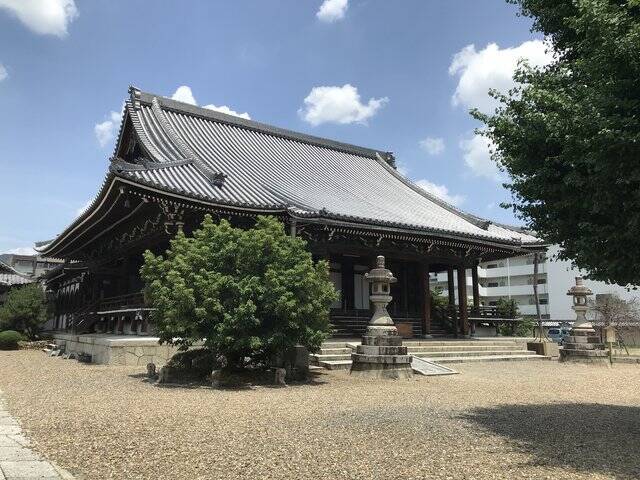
x=24 y=310
x=520 y=329
x=193 y=364
x=438 y=300
x=569 y=135
x=245 y=293
x=9 y=340
x=441 y=311
x=507 y=308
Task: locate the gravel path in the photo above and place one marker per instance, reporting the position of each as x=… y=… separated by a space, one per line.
x=493 y=421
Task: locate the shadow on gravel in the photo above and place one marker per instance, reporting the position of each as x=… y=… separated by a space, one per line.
x=315 y=379
x=587 y=437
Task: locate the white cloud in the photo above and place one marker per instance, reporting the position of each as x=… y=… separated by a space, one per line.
x=338 y=105
x=332 y=10
x=491 y=67
x=3 y=72
x=477 y=155
x=106 y=131
x=402 y=168
x=23 y=251
x=433 y=146
x=440 y=191
x=184 y=94
x=228 y=111
x=45 y=17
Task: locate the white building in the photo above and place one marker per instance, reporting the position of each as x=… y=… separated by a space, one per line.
x=513 y=278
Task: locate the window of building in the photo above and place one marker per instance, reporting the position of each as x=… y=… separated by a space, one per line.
x=544 y=301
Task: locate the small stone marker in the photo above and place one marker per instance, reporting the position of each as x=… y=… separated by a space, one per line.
x=280 y=376
x=151 y=370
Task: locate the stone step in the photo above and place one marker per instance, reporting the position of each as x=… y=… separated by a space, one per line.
x=480 y=353
x=488 y=358
x=336 y=364
x=321 y=358
x=334 y=345
x=335 y=351
x=346 y=364
x=462 y=343
x=462 y=348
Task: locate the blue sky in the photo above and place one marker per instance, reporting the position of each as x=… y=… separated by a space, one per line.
x=397 y=76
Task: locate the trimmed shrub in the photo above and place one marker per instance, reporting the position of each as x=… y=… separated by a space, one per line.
x=9 y=340
x=192 y=365
x=248 y=295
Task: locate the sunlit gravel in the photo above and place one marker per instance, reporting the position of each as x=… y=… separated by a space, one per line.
x=493 y=421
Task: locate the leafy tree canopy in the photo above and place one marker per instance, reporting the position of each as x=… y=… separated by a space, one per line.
x=24 y=310
x=246 y=293
x=569 y=135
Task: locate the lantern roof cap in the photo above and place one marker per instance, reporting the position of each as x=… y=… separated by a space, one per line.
x=579 y=289
x=380 y=274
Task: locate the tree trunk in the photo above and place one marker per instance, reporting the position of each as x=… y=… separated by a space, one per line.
x=535 y=295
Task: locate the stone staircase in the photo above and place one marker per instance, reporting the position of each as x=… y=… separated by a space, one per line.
x=336 y=355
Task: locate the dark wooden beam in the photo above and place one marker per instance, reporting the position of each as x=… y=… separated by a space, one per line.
x=348 y=291
x=476 y=287
x=476 y=295
x=462 y=301
x=450 y=286
x=425 y=288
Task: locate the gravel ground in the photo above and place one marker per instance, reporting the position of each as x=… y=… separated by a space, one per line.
x=493 y=421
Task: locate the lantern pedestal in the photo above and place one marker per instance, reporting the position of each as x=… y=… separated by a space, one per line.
x=381 y=354
x=583 y=344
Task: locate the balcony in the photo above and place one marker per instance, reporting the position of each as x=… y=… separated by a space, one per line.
x=511 y=271
x=513 y=290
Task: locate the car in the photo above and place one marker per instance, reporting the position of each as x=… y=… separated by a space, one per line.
x=558 y=334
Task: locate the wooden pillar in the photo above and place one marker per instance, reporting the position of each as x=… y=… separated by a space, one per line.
x=462 y=301
x=476 y=289
x=405 y=289
x=450 y=286
x=476 y=295
x=348 y=293
x=425 y=288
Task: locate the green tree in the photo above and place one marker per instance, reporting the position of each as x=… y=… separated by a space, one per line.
x=245 y=293
x=507 y=308
x=24 y=310
x=568 y=135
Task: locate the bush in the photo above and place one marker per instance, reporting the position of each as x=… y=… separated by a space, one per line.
x=193 y=364
x=9 y=340
x=250 y=295
x=24 y=310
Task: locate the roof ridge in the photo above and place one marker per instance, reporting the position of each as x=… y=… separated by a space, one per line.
x=139 y=96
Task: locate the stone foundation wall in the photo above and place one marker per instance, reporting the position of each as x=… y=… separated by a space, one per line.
x=117 y=350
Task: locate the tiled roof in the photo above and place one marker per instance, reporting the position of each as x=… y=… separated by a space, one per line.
x=220 y=158
x=9 y=276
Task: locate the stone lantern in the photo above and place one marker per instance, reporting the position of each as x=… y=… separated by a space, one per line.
x=582 y=345
x=580 y=292
x=381 y=354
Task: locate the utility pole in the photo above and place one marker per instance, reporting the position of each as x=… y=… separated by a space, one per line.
x=535 y=294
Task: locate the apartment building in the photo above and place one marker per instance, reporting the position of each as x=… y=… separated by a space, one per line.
x=513 y=278
x=30 y=265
